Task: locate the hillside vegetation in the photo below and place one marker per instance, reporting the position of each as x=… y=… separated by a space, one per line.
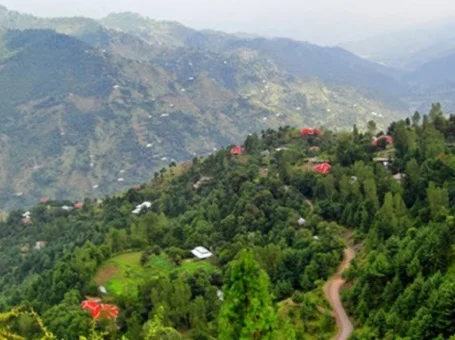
x=93 y=107
x=292 y=220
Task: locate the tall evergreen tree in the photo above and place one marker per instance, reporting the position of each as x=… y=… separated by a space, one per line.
x=247 y=312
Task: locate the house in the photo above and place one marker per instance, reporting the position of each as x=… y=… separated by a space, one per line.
x=301 y=221
x=323 y=168
x=316 y=237
x=95 y=186
x=388 y=140
x=79 y=205
x=137 y=187
x=399 y=177
x=26 y=214
x=26 y=220
x=120 y=180
x=201 y=253
x=140 y=207
x=44 y=199
x=147 y=205
x=102 y=290
x=353 y=180
x=66 y=208
x=237 y=150
x=39 y=245
x=220 y=294
x=311 y=132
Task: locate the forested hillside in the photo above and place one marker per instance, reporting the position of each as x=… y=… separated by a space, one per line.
x=274 y=215
x=93 y=107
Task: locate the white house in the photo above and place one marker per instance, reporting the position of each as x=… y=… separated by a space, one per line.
x=147 y=204
x=399 y=177
x=220 y=294
x=39 y=245
x=144 y=205
x=26 y=214
x=201 y=253
x=67 y=208
x=120 y=180
x=102 y=290
x=301 y=221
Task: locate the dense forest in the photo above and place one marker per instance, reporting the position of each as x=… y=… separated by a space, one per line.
x=276 y=217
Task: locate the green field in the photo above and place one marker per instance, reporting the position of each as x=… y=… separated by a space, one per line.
x=123 y=273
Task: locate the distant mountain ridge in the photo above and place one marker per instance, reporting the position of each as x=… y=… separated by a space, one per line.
x=93 y=107
x=408 y=48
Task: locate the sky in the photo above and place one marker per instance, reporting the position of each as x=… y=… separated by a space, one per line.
x=325 y=22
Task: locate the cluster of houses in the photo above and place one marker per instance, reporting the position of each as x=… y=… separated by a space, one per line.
x=140 y=207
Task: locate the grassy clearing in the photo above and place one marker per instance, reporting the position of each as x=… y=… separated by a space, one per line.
x=123 y=273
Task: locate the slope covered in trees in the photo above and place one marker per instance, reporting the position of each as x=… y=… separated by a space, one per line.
x=90 y=107
x=261 y=200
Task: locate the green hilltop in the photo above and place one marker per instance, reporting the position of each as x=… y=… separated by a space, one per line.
x=276 y=226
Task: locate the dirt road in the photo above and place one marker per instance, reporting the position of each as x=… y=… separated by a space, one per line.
x=332 y=291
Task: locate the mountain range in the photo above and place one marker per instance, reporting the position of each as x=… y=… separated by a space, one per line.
x=91 y=107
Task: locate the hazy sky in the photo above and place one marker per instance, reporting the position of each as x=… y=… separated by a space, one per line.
x=319 y=21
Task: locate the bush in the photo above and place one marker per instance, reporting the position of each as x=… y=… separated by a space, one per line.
x=298 y=297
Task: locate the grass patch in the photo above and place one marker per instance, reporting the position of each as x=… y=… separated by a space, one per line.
x=122 y=274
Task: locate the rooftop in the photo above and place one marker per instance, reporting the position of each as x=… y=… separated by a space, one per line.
x=201 y=253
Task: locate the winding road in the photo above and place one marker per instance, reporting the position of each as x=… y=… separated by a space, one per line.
x=332 y=291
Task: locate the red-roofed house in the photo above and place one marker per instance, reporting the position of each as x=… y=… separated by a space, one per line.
x=79 y=205
x=389 y=140
x=323 y=168
x=44 y=199
x=311 y=132
x=237 y=150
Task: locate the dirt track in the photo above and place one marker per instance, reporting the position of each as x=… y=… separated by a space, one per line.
x=332 y=291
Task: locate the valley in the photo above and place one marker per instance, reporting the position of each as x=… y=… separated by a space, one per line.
x=120 y=94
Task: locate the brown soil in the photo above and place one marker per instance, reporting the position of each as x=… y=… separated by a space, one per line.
x=105 y=274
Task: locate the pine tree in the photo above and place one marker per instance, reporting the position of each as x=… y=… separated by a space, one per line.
x=247 y=312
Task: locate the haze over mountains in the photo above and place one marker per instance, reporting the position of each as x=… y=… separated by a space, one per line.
x=92 y=107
